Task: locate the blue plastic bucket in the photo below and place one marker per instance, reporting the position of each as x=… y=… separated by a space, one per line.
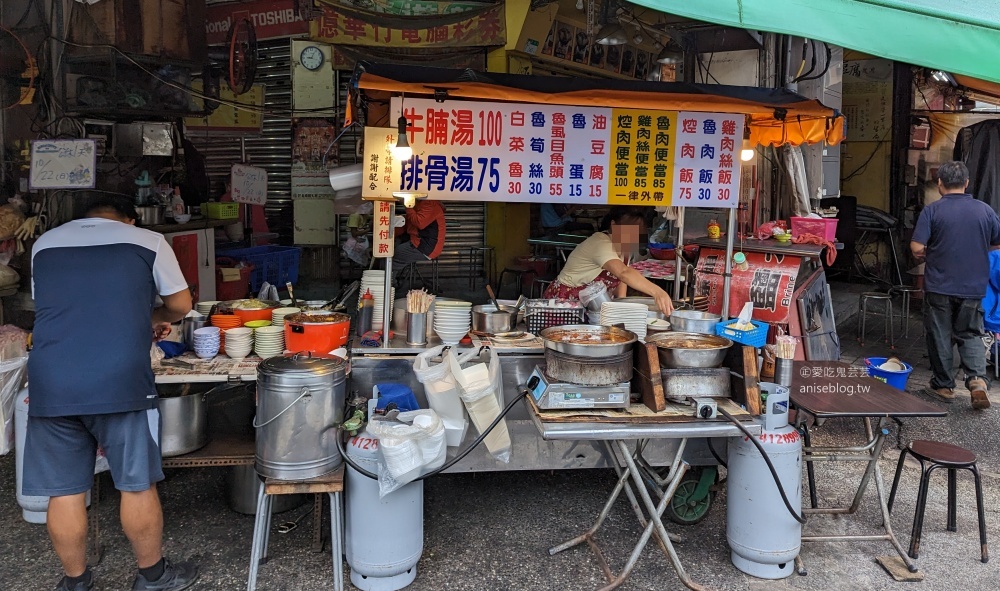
x=896 y=379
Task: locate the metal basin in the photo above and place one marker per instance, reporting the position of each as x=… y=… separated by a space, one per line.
x=183 y=418
x=694 y=321
x=686 y=349
x=487 y=319
x=585 y=340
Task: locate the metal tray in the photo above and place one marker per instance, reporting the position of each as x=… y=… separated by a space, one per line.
x=585 y=349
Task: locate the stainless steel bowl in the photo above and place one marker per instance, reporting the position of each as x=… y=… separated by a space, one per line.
x=674 y=350
x=694 y=321
x=588 y=340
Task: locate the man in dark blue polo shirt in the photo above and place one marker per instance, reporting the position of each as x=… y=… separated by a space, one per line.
x=954 y=236
x=95 y=282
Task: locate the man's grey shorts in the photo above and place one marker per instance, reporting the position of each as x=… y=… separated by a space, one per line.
x=60 y=452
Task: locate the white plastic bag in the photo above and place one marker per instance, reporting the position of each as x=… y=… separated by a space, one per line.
x=441 y=390
x=409 y=447
x=482 y=392
x=11 y=378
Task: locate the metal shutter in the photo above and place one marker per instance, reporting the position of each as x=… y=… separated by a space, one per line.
x=272 y=150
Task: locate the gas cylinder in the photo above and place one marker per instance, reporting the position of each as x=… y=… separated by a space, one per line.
x=762 y=534
x=385 y=536
x=33 y=509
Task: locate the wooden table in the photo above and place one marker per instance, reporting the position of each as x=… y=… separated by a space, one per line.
x=837 y=390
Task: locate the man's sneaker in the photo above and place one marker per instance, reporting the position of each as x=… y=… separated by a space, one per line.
x=175 y=578
x=81 y=586
x=980 y=395
x=943 y=394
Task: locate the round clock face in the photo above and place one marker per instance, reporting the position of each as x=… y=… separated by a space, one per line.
x=311 y=58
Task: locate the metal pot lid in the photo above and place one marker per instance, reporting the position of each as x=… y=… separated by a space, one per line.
x=303 y=364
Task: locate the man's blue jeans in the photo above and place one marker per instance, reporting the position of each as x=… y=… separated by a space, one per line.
x=949 y=321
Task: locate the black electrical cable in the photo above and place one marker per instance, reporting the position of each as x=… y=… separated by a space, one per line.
x=715 y=454
x=812 y=66
x=829 y=62
x=458 y=458
x=767 y=460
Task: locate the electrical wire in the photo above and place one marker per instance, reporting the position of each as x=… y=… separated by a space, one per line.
x=449 y=463
x=715 y=454
x=826 y=68
x=864 y=165
x=194 y=92
x=767 y=460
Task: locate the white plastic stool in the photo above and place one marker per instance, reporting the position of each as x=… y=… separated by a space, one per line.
x=331 y=484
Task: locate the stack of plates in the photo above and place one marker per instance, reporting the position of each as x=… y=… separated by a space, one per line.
x=269 y=341
x=224 y=322
x=206 y=342
x=278 y=315
x=633 y=316
x=452 y=320
x=205 y=307
x=239 y=342
x=373 y=280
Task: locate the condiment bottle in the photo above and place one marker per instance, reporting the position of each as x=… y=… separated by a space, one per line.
x=714 y=231
x=177 y=204
x=366 y=312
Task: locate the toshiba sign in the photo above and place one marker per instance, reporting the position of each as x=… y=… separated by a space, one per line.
x=270 y=18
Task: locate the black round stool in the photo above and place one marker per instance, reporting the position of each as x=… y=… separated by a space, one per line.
x=933 y=455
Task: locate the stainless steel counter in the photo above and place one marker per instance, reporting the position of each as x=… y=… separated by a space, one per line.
x=567 y=450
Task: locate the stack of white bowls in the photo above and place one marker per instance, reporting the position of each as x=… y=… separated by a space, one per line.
x=269 y=341
x=206 y=342
x=452 y=320
x=278 y=315
x=633 y=316
x=373 y=280
x=204 y=308
x=239 y=342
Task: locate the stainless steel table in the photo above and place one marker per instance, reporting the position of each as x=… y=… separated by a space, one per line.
x=628 y=465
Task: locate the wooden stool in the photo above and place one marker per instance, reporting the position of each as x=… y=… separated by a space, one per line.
x=952 y=458
x=331 y=484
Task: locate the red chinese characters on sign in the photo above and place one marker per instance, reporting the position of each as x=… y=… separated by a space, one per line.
x=768 y=282
x=383 y=245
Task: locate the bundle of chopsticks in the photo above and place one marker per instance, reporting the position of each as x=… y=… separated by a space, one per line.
x=785 y=347
x=418 y=301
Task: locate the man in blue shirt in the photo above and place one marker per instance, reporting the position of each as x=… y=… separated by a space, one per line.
x=953 y=236
x=95 y=282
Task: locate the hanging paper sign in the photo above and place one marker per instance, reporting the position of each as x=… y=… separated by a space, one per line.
x=706 y=163
x=476 y=151
x=383 y=246
x=63 y=164
x=380 y=175
x=248 y=184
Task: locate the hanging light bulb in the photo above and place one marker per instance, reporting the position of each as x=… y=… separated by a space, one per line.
x=670 y=54
x=402 y=149
x=579 y=5
x=611 y=34
x=748 y=152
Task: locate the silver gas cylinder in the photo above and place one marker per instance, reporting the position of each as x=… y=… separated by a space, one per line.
x=762 y=534
x=385 y=536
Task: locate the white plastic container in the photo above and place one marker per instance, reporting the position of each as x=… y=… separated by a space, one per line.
x=443 y=398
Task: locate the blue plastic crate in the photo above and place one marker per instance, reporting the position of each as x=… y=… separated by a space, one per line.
x=276 y=265
x=755 y=338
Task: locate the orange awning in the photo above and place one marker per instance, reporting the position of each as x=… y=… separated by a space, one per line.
x=777 y=116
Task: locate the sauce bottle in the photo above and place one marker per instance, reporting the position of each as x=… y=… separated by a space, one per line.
x=366 y=311
x=714 y=231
